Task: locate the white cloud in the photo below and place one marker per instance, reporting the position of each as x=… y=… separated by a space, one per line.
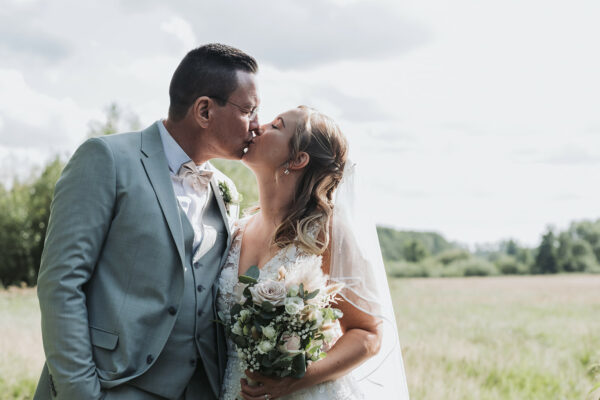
x=36 y=122
x=182 y=30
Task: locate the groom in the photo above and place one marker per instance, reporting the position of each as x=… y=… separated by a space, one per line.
x=137 y=234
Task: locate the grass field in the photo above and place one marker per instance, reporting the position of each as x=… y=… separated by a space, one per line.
x=463 y=338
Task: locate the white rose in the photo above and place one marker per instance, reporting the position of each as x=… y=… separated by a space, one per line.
x=291 y=343
x=264 y=347
x=316 y=316
x=293 y=305
x=269 y=332
x=244 y=315
x=268 y=290
x=293 y=291
x=237 y=328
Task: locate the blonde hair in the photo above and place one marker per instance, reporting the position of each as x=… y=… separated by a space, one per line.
x=307 y=222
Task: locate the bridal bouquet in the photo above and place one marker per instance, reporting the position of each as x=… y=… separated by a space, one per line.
x=280 y=326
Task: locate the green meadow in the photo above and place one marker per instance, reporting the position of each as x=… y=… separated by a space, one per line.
x=518 y=337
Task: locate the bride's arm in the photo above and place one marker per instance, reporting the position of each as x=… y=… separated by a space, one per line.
x=360 y=340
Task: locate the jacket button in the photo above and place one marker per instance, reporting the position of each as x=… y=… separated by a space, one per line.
x=172 y=310
x=149 y=359
x=199 y=313
x=200 y=288
x=193 y=362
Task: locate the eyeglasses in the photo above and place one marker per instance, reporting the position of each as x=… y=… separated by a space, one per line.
x=250 y=114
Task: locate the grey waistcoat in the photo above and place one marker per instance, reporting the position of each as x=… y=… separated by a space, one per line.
x=194 y=335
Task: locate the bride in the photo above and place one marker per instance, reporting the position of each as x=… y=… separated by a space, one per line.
x=308 y=207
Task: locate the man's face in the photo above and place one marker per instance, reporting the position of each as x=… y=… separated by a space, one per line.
x=233 y=126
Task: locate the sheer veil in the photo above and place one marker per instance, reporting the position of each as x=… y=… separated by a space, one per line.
x=356 y=261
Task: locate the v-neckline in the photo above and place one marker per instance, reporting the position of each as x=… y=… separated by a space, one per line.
x=242 y=231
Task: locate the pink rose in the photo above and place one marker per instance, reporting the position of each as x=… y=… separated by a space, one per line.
x=291 y=343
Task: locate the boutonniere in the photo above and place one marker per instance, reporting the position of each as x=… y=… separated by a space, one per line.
x=230 y=196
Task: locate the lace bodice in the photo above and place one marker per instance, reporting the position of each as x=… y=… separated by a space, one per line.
x=345 y=388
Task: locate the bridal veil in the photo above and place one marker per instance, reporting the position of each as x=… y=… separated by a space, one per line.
x=356 y=261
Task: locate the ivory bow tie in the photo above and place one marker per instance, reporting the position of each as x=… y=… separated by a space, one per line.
x=198 y=179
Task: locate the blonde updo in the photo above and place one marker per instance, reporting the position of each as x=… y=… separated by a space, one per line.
x=307 y=222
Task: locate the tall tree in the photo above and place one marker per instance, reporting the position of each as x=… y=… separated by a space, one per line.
x=414 y=251
x=546 y=260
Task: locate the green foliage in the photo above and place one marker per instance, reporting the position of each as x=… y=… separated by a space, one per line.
x=26 y=209
x=414 y=251
x=509 y=265
x=244 y=180
x=403 y=269
x=393 y=242
x=473 y=267
x=451 y=256
x=546 y=261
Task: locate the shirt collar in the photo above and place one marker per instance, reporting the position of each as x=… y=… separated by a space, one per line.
x=174 y=153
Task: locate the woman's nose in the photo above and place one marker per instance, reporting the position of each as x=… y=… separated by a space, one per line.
x=259 y=128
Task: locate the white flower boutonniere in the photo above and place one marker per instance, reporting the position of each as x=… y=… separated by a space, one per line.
x=231 y=198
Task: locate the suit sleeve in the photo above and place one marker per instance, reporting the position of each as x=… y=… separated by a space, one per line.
x=80 y=217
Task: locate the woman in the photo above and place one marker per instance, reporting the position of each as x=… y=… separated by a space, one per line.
x=299 y=161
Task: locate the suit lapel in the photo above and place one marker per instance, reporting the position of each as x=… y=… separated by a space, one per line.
x=156 y=166
x=215 y=187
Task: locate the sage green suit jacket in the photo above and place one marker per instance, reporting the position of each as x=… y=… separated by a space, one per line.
x=112 y=266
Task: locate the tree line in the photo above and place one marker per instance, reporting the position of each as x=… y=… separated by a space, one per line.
x=427 y=254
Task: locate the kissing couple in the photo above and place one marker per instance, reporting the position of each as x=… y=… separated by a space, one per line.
x=144 y=251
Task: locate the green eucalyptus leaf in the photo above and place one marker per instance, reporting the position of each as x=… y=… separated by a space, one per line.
x=235 y=310
x=311 y=295
x=240 y=341
x=253 y=272
x=267 y=307
x=299 y=365
x=247 y=279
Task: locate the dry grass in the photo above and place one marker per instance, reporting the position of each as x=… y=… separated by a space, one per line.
x=21 y=352
x=500 y=338
x=463 y=338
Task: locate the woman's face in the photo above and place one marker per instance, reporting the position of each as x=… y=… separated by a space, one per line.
x=271 y=149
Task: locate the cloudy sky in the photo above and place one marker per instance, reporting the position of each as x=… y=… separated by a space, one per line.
x=476 y=119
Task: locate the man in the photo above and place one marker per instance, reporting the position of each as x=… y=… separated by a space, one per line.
x=138 y=230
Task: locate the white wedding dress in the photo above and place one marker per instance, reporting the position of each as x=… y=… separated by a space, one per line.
x=344 y=388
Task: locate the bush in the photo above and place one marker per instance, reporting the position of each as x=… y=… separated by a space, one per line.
x=451 y=256
x=471 y=267
x=508 y=265
x=25 y=211
x=403 y=269
x=15 y=236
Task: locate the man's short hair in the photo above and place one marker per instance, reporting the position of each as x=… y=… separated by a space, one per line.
x=209 y=70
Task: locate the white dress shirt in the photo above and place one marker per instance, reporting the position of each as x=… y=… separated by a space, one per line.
x=191 y=201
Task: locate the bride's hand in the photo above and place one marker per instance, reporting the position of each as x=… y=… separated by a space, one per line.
x=275 y=388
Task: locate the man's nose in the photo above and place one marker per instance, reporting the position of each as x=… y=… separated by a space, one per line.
x=255 y=126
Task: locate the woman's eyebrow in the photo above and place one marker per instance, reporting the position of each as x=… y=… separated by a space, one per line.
x=282 y=122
